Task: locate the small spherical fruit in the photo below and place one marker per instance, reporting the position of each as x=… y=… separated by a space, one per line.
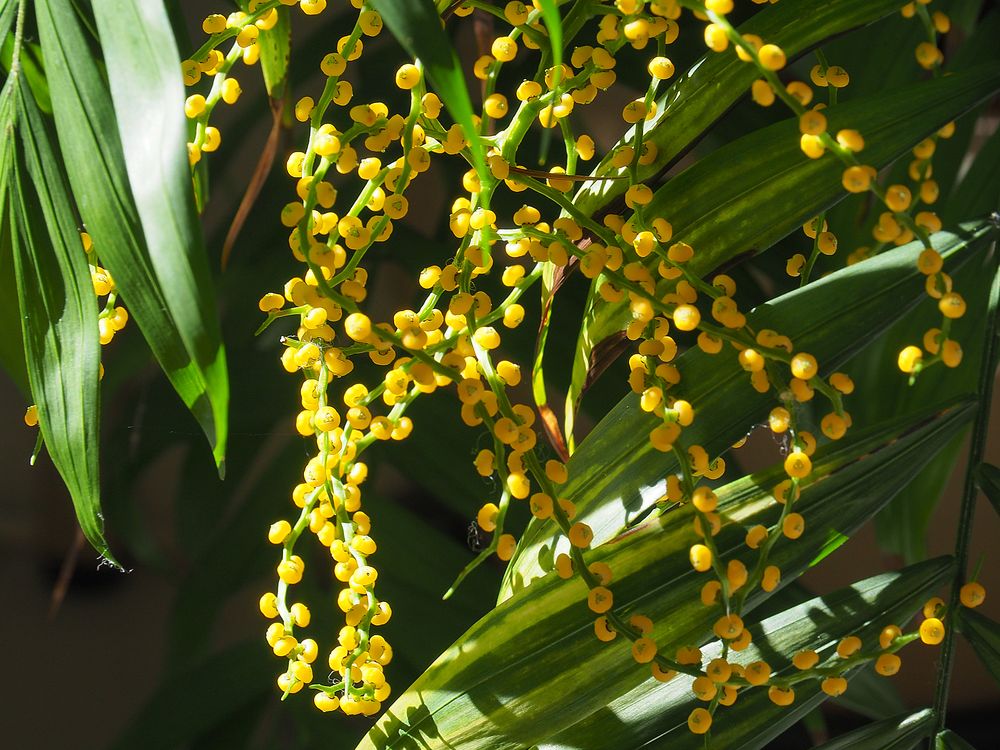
x=804 y=366
x=644 y=650
x=972 y=594
x=781 y=696
x=701 y=557
x=600 y=599
x=805 y=659
x=848 y=646
x=699 y=721
x=728 y=627
x=834 y=686
x=932 y=631
x=798 y=464
x=772 y=57
x=888 y=664
x=909 y=358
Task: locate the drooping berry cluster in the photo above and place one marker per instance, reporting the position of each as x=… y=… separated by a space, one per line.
x=451 y=339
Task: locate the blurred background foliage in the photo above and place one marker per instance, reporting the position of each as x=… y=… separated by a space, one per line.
x=172 y=654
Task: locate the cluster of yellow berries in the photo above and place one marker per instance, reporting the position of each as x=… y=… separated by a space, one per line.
x=452 y=338
x=652 y=376
x=244 y=29
x=111 y=318
x=721 y=680
x=329 y=498
x=901 y=222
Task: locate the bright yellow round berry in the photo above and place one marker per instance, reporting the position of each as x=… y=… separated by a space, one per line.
x=932 y=631
x=972 y=594
x=772 y=57
x=909 y=358
x=699 y=721
x=798 y=464
x=888 y=664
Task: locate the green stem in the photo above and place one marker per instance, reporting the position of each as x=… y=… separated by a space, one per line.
x=980 y=432
x=807 y=271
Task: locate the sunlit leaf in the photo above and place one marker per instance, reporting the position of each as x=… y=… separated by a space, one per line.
x=616 y=474
x=153 y=292
x=655 y=714
x=492 y=690
x=147 y=94
x=745 y=196
x=58 y=310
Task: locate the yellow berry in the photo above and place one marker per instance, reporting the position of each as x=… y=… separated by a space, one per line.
x=269 y=605
x=851 y=140
x=793 y=525
x=686 y=317
x=326 y=702
x=932 y=631
x=888 y=664
x=848 y=646
x=581 y=535
x=781 y=696
x=909 y=358
x=888 y=635
x=194 y=105
x=661 y=68
x=487 y=517
x=728 y=627
x=644 y=650
x=972 y=594
x=772 y=57
x=603 y=630
x=856 y=179
x=704 y=499
x=279 y=531
x=504 y=48
x=755 y=536
x=805 y=659
x=600 y=599
x=699 y=721
x=812 y=122
x=798 y=465
x=719 y=670
x=834 y=686
x=506 y=545
x=952 y=305
x=771 y=578
x=710 y=592
x=804 y=366
x=701 y=557
x=757 y=672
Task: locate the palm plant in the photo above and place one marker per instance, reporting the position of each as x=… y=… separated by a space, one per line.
x=789 y=229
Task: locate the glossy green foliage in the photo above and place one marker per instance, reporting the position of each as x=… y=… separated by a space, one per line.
x=147 y=95
x=165 y=281
x=655 y=714
x=831 y=319
x=895 y=733
x=56 y=301
x=477 y=696
x=747 y=195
